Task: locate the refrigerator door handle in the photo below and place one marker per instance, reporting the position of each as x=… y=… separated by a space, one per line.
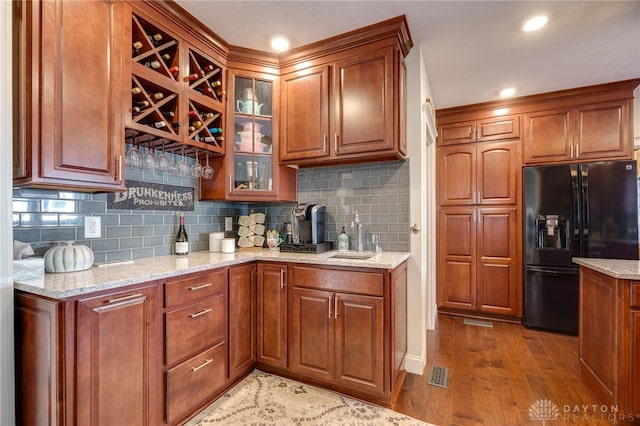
x=550 y=271
x=585 y=210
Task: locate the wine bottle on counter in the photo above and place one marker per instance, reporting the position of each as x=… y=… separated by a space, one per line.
x=182 y=240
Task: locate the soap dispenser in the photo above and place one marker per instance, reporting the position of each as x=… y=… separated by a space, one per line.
x=343 y=241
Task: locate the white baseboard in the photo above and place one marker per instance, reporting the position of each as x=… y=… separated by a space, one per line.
x=414 y=364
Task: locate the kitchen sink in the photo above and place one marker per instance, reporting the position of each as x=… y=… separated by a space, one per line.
x=351 y=255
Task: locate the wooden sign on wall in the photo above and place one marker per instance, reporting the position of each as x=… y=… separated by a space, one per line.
x=152 y=196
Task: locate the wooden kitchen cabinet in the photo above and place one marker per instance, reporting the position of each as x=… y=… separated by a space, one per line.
x=478 y=260
x=69 y=97
x=272 y=314
x=346 y=107
x=485 y=129
x=341 y=328
x=242 y=320
x=591 y=132
x=479 y=173
x=250 y=170
x=116 y=378
x=196 y=345
x=93 y=359
x=609 y=339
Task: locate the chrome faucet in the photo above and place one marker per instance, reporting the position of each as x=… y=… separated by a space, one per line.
x=358 y=226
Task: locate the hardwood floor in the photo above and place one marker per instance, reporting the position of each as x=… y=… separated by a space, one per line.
x=497 y=374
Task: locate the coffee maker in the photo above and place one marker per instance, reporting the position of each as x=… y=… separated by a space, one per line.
x=307 y=223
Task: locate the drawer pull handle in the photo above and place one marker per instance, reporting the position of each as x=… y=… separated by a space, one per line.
x=204 y=364
x=281 y=278
x=202 y=312
x=335 y=307
x=120 y=299
x=198 y=287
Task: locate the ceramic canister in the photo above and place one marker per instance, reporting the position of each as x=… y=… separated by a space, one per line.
x=215 y=241
x=228 y=245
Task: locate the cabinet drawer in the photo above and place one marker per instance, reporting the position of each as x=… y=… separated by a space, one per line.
x=194 y=327
x=194 y=382
x=191 y=289
x=371 y=283
x=634 y=299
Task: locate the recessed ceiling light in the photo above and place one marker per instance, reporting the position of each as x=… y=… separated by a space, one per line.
x=535 y=23
x=508 y=92
x=279 y=43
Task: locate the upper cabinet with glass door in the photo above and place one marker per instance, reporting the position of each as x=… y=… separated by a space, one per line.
x=250 y=170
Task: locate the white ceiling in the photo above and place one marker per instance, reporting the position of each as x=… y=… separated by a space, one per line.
x=472 y=49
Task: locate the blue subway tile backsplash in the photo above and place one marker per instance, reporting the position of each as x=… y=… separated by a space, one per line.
x=378 y=191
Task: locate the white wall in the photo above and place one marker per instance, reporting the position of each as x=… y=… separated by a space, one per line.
x=7 y=394
x=422 y=211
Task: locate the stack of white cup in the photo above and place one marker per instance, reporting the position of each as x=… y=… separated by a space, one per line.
x=215 y=241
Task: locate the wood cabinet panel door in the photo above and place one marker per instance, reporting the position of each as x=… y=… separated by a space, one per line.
x=359 y=342
x=602 y=131
x=457 y=133
x=634 y=398
x=242 y=319
x=498 y=172
x=311 y=349
x=272 y=314
x=504 y=127
x=304 y=118
x=82 y=132
x=548 y=136
x=363 y=103
x=116 y=359
x=498 y=261
x=457 y=175
x=457 y=258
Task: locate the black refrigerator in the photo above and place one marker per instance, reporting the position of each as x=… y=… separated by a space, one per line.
x=575 y=210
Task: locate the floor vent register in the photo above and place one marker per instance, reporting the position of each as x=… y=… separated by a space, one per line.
x=438 y=376
x=478 y=323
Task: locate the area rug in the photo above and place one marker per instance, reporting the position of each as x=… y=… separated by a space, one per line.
x=265 y=399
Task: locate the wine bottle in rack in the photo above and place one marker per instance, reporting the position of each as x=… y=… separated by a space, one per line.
x=168 y=114
x=209 y=115
x=177 y=124
x=136 y=47
x=159 y=124
x=155 y=39
x=136 y=90
x=209 y=68
x=158 y=95
x=141 y=104
x=210 y=139
x=216 y=83
x=193 y=113
x=214 y=130
x=174 y=71
x=153 y=64
x=166 y=57
x=220 y=93
x=182 y=240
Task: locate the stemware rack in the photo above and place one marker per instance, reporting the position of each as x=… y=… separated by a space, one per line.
x=177 y=93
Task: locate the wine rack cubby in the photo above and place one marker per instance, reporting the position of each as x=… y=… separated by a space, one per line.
x=177 y=93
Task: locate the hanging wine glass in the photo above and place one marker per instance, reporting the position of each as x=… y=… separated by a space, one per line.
x=133 y=155
x=162 y=162
x=149 y=159
x=182 y=167
x=196 y=168
x=207 y=172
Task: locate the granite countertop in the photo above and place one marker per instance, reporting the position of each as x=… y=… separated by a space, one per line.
x=616 y=268
x=63 y=285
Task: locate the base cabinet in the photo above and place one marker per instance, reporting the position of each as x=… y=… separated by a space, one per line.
x=105 y=373
x=272 y=314
x=609 y=339
x=242 y=319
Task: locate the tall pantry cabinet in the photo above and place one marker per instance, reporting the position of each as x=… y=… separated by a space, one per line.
x=478 y=192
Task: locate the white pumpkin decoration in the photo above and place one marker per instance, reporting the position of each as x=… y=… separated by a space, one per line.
x=68 y=258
